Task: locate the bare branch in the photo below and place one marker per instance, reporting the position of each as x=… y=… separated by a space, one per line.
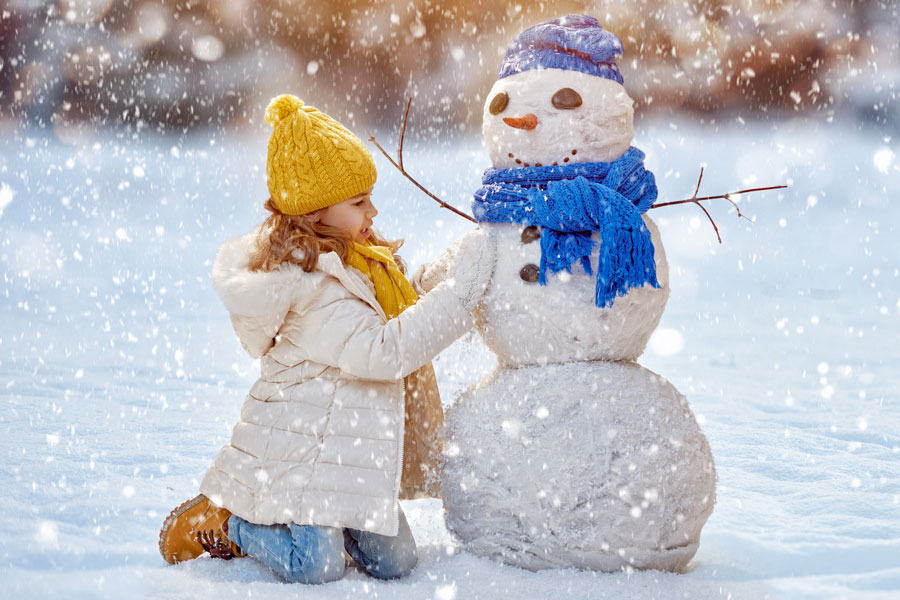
x=403 y=132
x=719 y=196
x=399 y=166
x=695 y=200
x=699 y=179
x=708 y=216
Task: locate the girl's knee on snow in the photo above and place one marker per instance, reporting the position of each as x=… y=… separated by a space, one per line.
x=397 y=565
x=384 y=557
x=318 y=555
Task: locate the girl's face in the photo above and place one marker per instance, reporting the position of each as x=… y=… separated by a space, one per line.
x=353 y=216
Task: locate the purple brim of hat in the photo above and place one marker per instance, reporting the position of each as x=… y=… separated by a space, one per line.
x=573 y=42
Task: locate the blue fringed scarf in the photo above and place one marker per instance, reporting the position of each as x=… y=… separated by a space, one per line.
x=569 y=202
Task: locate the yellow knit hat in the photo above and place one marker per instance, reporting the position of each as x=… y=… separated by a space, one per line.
x=313 y=161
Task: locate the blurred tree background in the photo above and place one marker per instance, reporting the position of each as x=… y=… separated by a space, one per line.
x=178 y=65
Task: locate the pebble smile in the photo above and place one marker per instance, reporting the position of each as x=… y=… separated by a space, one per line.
x=555 y=163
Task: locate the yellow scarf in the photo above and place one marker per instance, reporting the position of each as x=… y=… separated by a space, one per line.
x=392 y=290
x=423 y=413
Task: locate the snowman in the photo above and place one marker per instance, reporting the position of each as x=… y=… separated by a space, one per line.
x=570 y=454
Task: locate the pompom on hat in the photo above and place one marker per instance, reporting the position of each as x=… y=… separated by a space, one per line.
x=313 y=161
x=573 y=42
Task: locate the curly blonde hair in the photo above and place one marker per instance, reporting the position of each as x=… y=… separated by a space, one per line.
x=280 y=235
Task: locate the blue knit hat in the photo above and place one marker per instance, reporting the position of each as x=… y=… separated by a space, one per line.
x=573 y=42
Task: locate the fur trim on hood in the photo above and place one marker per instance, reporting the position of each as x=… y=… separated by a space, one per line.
x=256 y=293
x=261 y=293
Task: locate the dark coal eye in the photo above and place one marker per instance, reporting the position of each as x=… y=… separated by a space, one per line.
x=566 y=98
x=498 y=104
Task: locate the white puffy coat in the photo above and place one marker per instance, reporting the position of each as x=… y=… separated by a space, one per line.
x=321 y=435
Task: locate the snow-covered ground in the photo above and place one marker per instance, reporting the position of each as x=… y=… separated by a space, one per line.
x=120 y=376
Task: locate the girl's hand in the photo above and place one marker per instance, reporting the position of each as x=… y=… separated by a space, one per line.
x=467 y=266
x=429 y=275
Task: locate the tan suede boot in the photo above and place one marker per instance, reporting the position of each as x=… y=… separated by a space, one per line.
x=195 y=527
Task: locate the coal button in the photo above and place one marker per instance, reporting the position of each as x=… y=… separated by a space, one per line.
x=530 y=234
x=529 y=273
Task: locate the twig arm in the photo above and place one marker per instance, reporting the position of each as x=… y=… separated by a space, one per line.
x=695 y=200
x=720 y=196
x=403 y=133
x=399 y=165
x=708 y=216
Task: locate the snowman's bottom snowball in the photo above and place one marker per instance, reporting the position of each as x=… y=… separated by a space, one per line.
x=593 y=465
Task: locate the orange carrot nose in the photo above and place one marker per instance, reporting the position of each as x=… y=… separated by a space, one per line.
x=529 y=121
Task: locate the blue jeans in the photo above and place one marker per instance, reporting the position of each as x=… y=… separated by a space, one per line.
x=315 y=553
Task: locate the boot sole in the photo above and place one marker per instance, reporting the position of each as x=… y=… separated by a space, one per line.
x=179 y=510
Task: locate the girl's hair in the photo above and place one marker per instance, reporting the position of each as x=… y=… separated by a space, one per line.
x=280 y=235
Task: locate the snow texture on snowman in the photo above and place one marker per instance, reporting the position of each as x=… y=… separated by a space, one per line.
x=570 y=454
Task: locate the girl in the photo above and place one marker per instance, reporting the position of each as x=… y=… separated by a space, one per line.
x=342 y=421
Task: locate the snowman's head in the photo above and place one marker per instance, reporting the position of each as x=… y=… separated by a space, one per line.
x=556 y=117
x=559 y=98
